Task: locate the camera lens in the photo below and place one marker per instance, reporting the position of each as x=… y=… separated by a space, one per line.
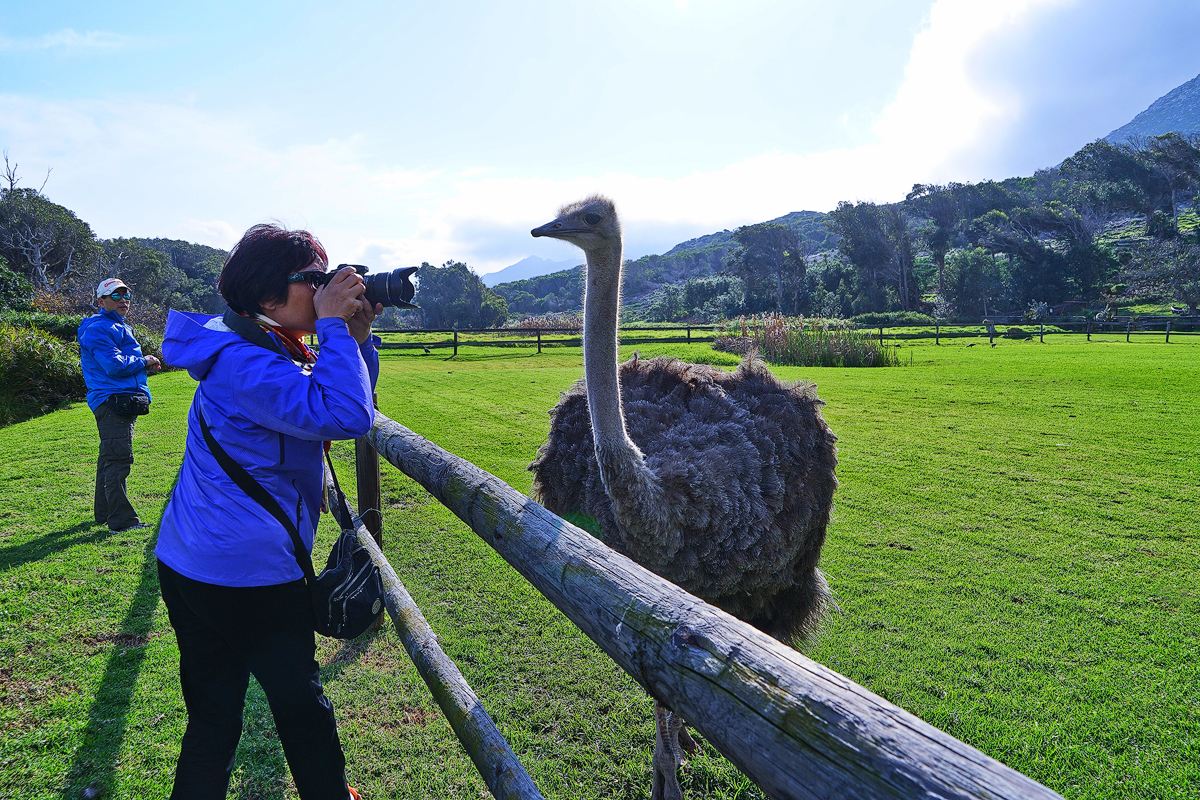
x=393 y=288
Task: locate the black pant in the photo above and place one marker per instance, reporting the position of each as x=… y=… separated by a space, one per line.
x=111 y=506
x=226 y=634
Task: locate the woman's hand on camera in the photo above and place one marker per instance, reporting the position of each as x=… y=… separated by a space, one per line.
x=340 y=297
x=360 y=323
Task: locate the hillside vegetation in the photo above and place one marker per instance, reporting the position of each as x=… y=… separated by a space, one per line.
x=1112 y=225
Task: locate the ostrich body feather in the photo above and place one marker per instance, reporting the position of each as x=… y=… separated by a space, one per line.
x=745 y=466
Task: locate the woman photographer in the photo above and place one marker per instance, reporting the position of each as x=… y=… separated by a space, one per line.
x=234 y=592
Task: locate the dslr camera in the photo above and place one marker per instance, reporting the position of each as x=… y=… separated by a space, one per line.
x=392 y=289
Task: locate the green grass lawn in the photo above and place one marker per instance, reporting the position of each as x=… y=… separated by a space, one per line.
x=1014 y=550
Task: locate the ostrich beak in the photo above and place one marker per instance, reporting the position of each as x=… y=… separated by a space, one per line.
x=555 y=230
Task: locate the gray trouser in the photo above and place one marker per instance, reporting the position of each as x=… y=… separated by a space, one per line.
x=112 y=506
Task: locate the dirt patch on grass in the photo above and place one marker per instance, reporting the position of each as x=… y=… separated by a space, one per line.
x=21 y=693
x=119 y=639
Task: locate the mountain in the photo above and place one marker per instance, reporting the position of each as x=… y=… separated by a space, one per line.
x=809 y=224
x=1177 y=110
x=526 y=268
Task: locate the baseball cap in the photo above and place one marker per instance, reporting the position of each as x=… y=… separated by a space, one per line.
x=109 y=285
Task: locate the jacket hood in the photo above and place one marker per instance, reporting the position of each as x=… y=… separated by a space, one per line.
x=101 y=317
x=193 y=341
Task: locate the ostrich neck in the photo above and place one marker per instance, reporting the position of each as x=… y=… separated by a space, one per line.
x=602 y=300
x=635 y=493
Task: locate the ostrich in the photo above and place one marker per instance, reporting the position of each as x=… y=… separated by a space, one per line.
x=719 y=482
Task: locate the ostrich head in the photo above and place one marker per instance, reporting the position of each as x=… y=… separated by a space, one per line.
x=590 y=224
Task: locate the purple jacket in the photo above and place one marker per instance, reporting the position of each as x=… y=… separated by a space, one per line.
x=271 y=416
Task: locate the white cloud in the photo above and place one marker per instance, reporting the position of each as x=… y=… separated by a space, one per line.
x=212 y=232
x=940 y=116
x=67 y=39
x=175 y=170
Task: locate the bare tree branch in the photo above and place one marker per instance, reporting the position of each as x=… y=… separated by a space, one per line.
x=10 y=172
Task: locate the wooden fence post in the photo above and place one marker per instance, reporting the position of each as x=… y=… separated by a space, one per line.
x=456 y=341
x=366 y=471
x=1089 y=330
x=881 y=336
x=937 y=332
x=1041 y=332
x=1168 y=333
x=539 y=335
x=689 y=335
x=1128 y=328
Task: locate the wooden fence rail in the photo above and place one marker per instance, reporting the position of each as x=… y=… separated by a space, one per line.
x=794 y=727
x=487 y=748
x=508 y=337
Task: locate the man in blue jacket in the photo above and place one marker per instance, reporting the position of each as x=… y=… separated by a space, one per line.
x=113 y=364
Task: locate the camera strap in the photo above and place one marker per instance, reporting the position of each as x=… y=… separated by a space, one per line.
x=251 y=331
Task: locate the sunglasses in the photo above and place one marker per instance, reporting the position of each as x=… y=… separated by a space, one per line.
x=118 y=296
x=312 y=277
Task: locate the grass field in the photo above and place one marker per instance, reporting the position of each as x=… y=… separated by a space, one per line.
x=1014 y=550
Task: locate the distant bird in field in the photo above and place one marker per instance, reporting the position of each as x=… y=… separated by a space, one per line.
x=426 y=349
x=720 y=482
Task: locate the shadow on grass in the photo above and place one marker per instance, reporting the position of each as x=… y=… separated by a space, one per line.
x=352 y=651
x=95 y=760
x=14 y=555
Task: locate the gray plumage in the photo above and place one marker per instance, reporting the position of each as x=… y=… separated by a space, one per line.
x=746 y=465
x=720 y=482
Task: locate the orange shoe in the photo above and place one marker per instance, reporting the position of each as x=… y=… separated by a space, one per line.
x=353 y=793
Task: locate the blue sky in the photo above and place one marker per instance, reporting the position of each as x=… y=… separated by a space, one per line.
x=407 y=132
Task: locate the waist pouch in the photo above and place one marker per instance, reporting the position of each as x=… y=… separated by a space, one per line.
x=129 y=404
x=347 y=596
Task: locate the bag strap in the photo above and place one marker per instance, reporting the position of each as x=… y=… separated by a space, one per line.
x=246 y=482
x=340 y=510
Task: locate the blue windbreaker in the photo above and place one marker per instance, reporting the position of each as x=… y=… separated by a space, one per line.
x=272 y=417
x=111 y=358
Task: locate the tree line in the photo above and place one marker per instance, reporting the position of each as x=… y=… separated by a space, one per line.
x=51 y=260
x=1111 y=223
x=1104 y=226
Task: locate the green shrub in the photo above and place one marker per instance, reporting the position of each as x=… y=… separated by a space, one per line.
x=15 y=289
x=892 y=318
x=800 y=342
x=64 y=327
x=38 y=373
x=60 y=326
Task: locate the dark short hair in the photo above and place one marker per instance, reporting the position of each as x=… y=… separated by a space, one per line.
x=258 y=265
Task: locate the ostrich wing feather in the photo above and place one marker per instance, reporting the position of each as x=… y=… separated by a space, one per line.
x=745 y=465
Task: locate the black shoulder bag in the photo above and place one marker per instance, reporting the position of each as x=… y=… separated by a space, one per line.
x=129 y=404
x=348 y=594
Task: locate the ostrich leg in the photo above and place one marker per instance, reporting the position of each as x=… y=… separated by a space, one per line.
x=667 y=756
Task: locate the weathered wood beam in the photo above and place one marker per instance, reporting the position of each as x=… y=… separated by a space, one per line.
x=796 y=728
x=495 y=760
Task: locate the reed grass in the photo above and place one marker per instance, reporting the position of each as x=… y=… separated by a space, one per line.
x=804 y=342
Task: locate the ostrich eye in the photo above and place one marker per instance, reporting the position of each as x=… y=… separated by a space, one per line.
x=591 y=219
